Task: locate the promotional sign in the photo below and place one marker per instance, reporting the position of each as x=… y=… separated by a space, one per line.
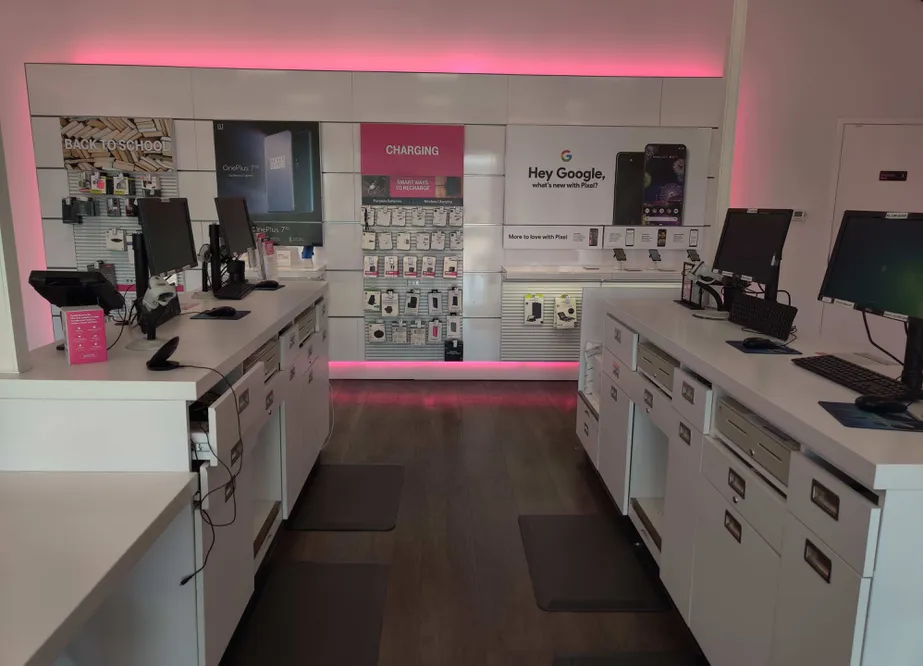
x=553 y=238
x=653 y=238
x=107 y=143
x=274 y=165
x=412 y=165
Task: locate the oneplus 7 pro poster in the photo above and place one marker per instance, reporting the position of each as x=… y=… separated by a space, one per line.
x=275 y=165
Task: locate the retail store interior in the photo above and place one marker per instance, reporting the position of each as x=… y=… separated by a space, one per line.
x=546 y=334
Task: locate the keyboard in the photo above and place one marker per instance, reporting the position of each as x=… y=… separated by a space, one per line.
x=234 y=291
x=766 y=317
x=852 y=376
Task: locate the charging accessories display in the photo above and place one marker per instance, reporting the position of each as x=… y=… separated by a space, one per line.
x=399 y=333
x=410 y=266
x=453 y=328
x=412 y=304
x=391 y=266
x=434 y=331
x=429 y=267
x=368 y=216
x=385 y=241
x=450 y=267
x=565 y=312
x=370 y=266
x=434 y=302
x=398 y=218
x=377 y=332
x=437 y=240
x=368 y=240
x=389 y=303
x=121 y=184
x=418 y=334
x=440 y=217
x=371 y=300
x=115 y=240
x=403 y=240
x=418 y=217
x=455 y=301
x=456 y=217
x=383 y=217
x=456 y=240
x=422 y=241
x=533 y=312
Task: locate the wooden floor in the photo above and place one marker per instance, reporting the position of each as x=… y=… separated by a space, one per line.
x=476 y=456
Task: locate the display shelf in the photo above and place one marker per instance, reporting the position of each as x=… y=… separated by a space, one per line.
x=586 y=274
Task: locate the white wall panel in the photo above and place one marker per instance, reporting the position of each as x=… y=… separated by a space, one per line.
x=46 y=142
x=429 y=98
x=347 y=341
x=692 y=103
x=249 y=94
x=482 y=339
x=52 y=187
x=337 y=153
x=357 y=152
x=483 y=197
x=345 y=293
x=205 y=144
x=185 y=151
x=481 y=294
x=89 y=90
x=483 y=248
x=485 y=149
x=574 y=100
x=200 y=188
x=714 y=160
x=340 y=195
x=343 y=246
x=199 y=234
x=711 y=203
x=59 y=244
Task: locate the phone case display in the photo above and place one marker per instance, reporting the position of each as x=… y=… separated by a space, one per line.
x=121 y=184
x=453 y=327
x=422 y=241
x=434 y=302
x=368 y=216
x=533 y=311
x=399 y=333
x=383 y=217
x=389 y=303
x=410 y=266
x=398 y=218
x=368 y=240
x=385 y=241
x=456 y=217
x=377 y=332
x=565 y=312
x=371 y=300
x=440 y=217
x=456 y=240
x=403 y=241
x=391 y=266
x=450 y=267
x=455 y=301
x=429 y=267
x=434 y=331
x=418 y=217
x=412 y=303
x=370 y=266
x=437 y=240
x=418 y=334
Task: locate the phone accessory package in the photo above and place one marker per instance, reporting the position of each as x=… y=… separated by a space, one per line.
x=391 y=266
x=368 y=240
x=450 y=267
x=398 y=218
x=440 y=217
x=410 y=266
x=456 y=217
x=456 y=240
x=418 y=217
x=368 y=216
x=377 y=331
x=371 y=300
x=385 y=241
x=434 y=331
x=370 y=268
x=399 y=333
x=389 y=303
x=383 y=217
x=437 y=240
x=434 y=301
x=429 y=267
x=565 y=312
x=533 y=312
x=412 y=304
x=453 y=327
x=422 y=241
x=403 y=240
x=418 y=333
x=455 y=301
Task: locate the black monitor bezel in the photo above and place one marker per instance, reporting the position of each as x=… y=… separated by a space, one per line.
x=145 y=230
x=750 y=211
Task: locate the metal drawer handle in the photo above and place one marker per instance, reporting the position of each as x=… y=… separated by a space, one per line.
x=737 y=483
x=688 y=393
x=615 y=370
x=685 y=434
x=732 y=526
x=270 y=398
x=291 y=373
x=648 y=399
x=229 y=489
x=243 y=402
x=617 y=334
x=310 y=377
x=818 y=561
x=237 y=451
x=586 y=429
x=826 y=499
x=613 y=393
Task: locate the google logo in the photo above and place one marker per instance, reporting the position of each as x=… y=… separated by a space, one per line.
x=566 y=156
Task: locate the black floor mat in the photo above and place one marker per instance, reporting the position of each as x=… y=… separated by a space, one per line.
x=587 y=563
x=633 y=659
x=362 y=498
x=314 y=615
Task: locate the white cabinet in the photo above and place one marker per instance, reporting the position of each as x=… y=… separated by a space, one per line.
x=588 y=429
x=293 y=416
x=680 y=515
x=822 y=605
x=735 y=578
x=615 y=425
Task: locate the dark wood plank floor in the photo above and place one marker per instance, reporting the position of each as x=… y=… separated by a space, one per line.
x=476 y=456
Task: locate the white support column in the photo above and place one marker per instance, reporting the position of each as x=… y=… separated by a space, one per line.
x=14 y=345
x=732 y=65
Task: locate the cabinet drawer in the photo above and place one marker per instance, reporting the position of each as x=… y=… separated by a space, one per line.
x=841 y=516
x=615 y=427
x=693 y=399
x=822 y=604
x=613 y=367
x=250 y=402
x=288 y=347
x=762 y=506
x=621 y=341
x=657 y=365
x=588 y=430
x=656 y=404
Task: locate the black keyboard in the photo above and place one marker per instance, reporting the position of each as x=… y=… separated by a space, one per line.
x=852 y=376
x=234 y=291
x=766 y=317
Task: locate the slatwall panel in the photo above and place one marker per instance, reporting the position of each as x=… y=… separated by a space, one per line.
x=522 y=342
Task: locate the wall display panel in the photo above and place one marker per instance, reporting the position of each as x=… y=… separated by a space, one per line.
x=567 y=176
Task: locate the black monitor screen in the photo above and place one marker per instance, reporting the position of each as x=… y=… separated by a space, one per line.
x=167 y=234
x=751 y=242
x=877 y=263
x=235 y=223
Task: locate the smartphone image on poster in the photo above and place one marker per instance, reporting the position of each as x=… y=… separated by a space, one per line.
x=693 y=237
x=280 y=184
x=629 y=238
x=302 y=167
x=629 y=189
x=594 y=237
x=664 y=183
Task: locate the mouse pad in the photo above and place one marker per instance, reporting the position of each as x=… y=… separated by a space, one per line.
x=786 y=351
x=851 y=416
x=240 y=314
x=281 y=286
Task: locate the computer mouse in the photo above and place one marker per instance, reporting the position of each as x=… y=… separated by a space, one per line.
x=221 y=312
x=759 y=343
x=268 y=284
x=877 y=404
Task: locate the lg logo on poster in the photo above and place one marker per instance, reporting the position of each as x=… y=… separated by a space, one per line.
x=566 y=156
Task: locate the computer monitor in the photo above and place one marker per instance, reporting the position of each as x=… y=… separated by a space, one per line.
x=236 y=229
x=77 y=288
x=167 y=234
x=751 y=245
x=876 y=267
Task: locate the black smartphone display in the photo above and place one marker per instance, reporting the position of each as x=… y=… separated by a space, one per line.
x=654 y=254
x=629 y=189
x=620 y=254
x=594 y=237
x=664 y=184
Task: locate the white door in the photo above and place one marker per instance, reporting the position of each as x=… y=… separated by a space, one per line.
x=866 y=152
